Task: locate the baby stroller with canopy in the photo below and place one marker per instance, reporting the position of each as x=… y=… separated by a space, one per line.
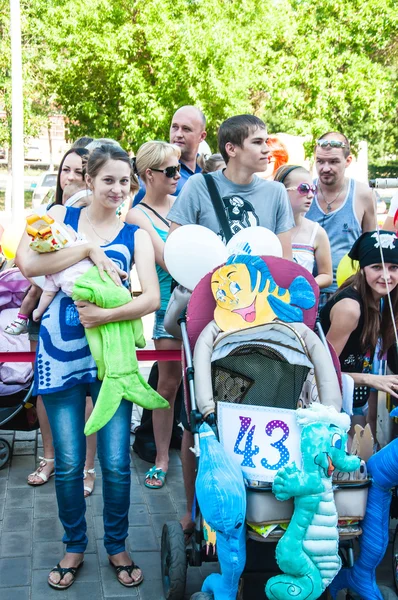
x=234 y=382
x=17 y=406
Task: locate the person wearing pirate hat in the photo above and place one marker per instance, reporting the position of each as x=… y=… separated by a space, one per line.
x=356 y=318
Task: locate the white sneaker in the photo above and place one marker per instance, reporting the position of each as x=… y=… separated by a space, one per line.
x=17 y=327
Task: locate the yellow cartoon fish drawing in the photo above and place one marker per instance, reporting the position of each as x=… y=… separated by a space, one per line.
x=247 y=295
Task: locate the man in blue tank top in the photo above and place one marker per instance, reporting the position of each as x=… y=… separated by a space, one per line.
x=342 y=206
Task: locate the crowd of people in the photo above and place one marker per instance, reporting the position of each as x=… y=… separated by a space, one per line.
x=317 y=222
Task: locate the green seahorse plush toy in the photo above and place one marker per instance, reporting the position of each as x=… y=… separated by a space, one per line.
x=113 y=348
x=308 y=551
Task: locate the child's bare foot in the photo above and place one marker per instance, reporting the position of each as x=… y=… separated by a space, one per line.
x=36 y=315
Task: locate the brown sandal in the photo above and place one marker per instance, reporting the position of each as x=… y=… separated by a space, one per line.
x=129 y=569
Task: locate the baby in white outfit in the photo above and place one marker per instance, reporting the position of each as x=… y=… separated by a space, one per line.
x=64 y=280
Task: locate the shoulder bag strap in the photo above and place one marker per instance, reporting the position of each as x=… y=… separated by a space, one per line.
x=156 y=213
x=218 y=206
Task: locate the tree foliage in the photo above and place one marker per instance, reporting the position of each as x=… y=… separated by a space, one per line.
x=36 y=102
x=119 y=68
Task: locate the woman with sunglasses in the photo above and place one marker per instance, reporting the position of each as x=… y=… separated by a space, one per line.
x=310 y=244
x=357 y=321
x=157 y=165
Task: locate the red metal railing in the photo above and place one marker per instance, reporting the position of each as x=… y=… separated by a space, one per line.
x=142 y=355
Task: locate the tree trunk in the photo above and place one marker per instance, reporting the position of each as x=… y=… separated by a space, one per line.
x=8 y=194
x=50 y=146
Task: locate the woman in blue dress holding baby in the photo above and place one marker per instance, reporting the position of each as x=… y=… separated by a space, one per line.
x=64 y=366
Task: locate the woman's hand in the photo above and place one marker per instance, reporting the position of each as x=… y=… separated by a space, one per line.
x=104 y=264
x=91 y=315
x=384 y=383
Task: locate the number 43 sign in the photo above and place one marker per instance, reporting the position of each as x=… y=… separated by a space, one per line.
x=261 y=439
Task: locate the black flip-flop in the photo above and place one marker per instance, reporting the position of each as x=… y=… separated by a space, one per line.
x=64 y=571
x=129 y=569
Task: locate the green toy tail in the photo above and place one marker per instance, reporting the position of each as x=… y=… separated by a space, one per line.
x=283 y=587
x=131 y=387
x=113 y=348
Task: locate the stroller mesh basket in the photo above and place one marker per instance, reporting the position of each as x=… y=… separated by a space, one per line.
x=258 y=375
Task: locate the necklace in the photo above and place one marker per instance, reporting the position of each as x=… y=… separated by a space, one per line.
x=297 y=231
x=100 y=236
x=329 y=204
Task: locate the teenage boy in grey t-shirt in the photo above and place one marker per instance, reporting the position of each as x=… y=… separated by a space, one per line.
x=248 y=200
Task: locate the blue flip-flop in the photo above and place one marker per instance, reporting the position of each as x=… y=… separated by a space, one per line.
x=157 y=474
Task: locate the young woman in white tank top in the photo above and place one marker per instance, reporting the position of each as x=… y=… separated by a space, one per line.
x=310 y=243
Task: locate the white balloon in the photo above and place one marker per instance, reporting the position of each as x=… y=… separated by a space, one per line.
x=257 y=241
x=191 y=251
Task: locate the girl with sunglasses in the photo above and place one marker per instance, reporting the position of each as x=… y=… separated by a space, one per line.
x=310 y=243
x=157 y=165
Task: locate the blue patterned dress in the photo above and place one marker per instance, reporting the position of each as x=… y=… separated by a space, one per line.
x=63 y=357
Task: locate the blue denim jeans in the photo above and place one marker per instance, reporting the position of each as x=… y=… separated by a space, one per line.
x=65 y=412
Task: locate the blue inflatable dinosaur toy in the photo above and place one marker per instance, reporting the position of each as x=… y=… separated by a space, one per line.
x=221 y=494
x=361 y=578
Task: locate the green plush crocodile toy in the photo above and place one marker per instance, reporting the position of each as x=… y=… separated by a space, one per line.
x=113 y=348
x=308 y=551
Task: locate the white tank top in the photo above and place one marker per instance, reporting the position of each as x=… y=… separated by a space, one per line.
x=304 y=254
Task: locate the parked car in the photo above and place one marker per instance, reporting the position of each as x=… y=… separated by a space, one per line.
x=49 y=198
x=33 y=154
x=46 y=181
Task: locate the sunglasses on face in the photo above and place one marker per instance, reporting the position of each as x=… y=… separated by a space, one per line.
x=331 y=143
x=303 y=189
x=170 y=172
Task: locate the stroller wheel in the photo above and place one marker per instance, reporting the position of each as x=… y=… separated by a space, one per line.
x=173 y=561
x=202 y=596
x=395 y=558
x=5 y=452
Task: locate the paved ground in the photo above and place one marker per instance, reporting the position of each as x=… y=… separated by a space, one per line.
x=30 y=534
